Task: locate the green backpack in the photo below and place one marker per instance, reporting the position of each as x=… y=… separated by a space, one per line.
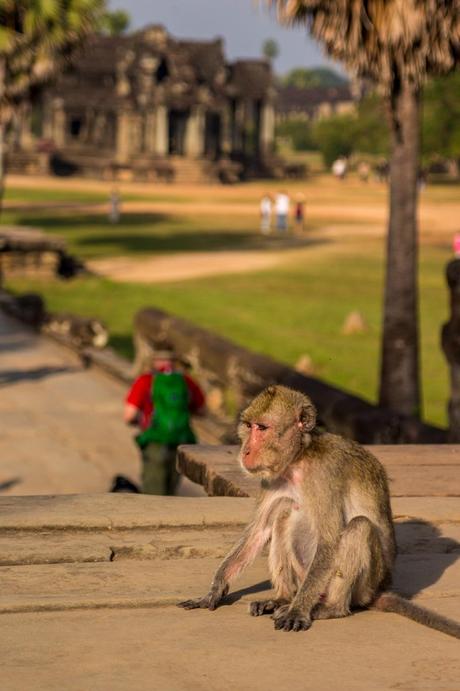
x=171 y=417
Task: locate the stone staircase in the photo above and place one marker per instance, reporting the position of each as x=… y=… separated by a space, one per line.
x=28 y=162
x=192 y=171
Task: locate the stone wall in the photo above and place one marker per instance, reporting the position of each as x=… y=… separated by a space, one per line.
x=450 y=338
x=232 y=375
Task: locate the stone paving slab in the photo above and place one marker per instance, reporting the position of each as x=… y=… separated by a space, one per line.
x=432 y=509
x=167 y=648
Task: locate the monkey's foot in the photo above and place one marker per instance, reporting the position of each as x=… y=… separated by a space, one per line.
x=325 y=612
x=259 y=607
x=287 y=619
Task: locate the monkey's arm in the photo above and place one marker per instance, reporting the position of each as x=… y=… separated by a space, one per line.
x=243 y=553
x=296 y=616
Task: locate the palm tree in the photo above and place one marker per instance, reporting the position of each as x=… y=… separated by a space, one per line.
x=396 y=44
x=36 y=38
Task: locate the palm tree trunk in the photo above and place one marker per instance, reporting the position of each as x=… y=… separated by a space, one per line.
x=2 y=131
x=399 y=382
x=2 y=164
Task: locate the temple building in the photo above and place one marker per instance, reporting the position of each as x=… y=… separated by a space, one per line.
x=148 y=106
x=314 y=103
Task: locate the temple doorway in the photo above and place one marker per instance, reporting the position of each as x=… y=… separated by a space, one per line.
x=212 y=136
x=177 y=126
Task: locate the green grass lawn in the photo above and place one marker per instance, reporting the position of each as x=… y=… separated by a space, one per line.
x=284 y=312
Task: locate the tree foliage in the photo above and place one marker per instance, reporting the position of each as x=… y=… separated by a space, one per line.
x=116 y=23
x=306 y=78
x=270 y=49
x=441 y=117
x=36 y=37
x=388 y=41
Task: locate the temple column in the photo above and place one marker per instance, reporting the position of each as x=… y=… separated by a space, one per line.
x=149 y=133
x=161 y=131
x=59 y=122
x=195 y=133
x=267 y=129
x=122 y=141
x=238 y=126
x=26 y=139
x=226 y=133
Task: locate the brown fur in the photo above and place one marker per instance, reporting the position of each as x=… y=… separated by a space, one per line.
x=325 y=509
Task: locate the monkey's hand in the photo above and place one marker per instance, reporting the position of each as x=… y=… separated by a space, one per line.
x=209 y=601
x=291 y=619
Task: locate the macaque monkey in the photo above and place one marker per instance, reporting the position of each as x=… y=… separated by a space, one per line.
x=325 y=510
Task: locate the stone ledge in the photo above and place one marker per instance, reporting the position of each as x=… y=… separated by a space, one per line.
x=116 y=511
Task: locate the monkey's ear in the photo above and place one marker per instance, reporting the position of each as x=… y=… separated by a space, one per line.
x=308 y=417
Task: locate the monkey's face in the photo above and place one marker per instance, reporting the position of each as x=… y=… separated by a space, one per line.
x=274 y=431
x=266 y=449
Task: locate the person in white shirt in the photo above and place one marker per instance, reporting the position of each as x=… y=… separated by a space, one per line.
x=282 y=203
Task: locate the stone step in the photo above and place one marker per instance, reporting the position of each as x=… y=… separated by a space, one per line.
x=21 y=547
x=119 y=511
x=158 y=582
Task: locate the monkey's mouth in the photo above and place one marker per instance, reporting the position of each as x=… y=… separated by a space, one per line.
x=259 y=471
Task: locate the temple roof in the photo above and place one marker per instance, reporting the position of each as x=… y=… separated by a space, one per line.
x=138 y=67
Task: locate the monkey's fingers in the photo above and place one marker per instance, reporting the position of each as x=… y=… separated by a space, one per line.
x=188 y=604
x=199 y=603
x=206 y=602
x=292 y=621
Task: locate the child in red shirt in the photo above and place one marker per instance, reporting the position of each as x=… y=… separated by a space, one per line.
x=159 y=475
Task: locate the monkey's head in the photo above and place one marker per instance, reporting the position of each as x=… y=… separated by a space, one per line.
x=274 y=431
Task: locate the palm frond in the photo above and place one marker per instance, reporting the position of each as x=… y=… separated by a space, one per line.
x=382 y=39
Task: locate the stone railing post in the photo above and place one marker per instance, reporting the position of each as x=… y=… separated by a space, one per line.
x=451 y=347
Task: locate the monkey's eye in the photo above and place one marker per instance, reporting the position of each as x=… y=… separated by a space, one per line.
x=246 y=423
x=261 y=427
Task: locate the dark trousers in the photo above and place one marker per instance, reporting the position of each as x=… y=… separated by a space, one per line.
x=159 y=474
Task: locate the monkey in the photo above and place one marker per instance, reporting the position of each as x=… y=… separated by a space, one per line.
x=324 y=509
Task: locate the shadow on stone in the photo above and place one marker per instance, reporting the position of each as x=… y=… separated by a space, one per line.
x=8 y=484
x=15 y=376
x=233 y=597
x=424 y=554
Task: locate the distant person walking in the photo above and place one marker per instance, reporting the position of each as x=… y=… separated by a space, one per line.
x=114 y=206
x=339 y=168
x=299 y=214
x=160 y=403
x=282 y=204
x=266 y=214
x=364 y=171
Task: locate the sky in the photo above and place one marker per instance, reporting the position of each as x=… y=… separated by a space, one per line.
x=244 y=25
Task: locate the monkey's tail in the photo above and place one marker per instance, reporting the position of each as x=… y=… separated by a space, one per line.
x=391 y=602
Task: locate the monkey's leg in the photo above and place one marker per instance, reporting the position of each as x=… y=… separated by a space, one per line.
x=282 y=575
x=243 y=553
x=357 y=573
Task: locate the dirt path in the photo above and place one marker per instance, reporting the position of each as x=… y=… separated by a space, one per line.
x=178 y=267
x=61 y=425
